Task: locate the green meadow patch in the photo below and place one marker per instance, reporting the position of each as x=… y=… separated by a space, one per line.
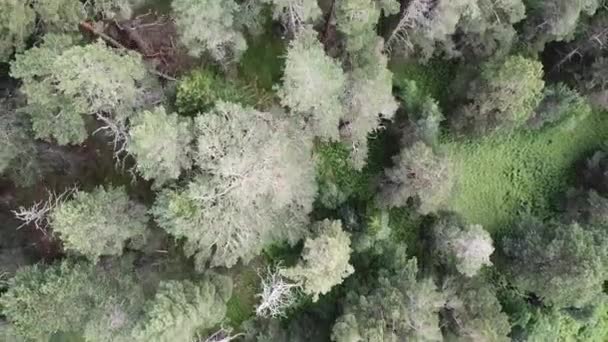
x=502 y=176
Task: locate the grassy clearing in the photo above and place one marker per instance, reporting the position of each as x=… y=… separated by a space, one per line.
x=246 y=284
x=501 y=176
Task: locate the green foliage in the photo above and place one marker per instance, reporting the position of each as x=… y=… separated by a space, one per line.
x=17 y=23
x=324 y=261
x=100 y=78
x=401 y=308
x=357 y=20
x=209 y=26
x=504 y=96
x=18 y=152
x=419 y=175
x=556 y=20
x=313 y=84
x=423 y=114
x=336 y=177
x=465 y=247
x=294 y=14
x=69 y=297
x=180 y=308
x=367 y=98
x=160 y=143
x=560 y=104
x=560 y=263
x=202 y=89
x=60 y=15
x=501 y=176
x=63 y=82
x=256 y=185
x=98 y=223
x=473 y=313
x=470 y=28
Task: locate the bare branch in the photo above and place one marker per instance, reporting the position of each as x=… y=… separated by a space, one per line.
x=37 y=214
x=277 y=293
x=222 y=335
x=411 y=17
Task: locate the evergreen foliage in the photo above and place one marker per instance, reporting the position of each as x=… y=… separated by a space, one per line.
x=209 y=26
x=18 y=23
x=160 y=143
x=324 y=261
x=98 y=223
x=256 y=185
x=312 y=85
x=181 y=308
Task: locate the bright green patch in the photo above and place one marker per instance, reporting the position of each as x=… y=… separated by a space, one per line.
x=501 y=176
x=262 y=63
x=432 y=78
x=246 y=284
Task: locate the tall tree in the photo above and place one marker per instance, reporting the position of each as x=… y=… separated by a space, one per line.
x=418 y=175
x=472 y=312
x=465 y=247
x=295 y=13
x=17 y=23
x=256 y=179
x=313 y=84
x=160 y=143
x=504 y=96
x=209 y=26
x=555 y=20
x=324 y=261
x=180 y=308
x=469 y=28
x=98 y=223
x=68 y=297
x=401 y=308
x=63 y=82
x=560 y=263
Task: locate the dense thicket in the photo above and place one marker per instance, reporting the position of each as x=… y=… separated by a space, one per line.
x=303 y=170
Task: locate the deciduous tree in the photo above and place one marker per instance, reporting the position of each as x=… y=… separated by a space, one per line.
x=472 y=312
x=43 y=300
x=401 y=308
x=324 y=261
x=465 y=247
x=98 y=223
x=504 y=96
x=419 y=175
x=559 y=263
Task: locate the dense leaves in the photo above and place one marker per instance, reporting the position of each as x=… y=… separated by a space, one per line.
x=98 y=223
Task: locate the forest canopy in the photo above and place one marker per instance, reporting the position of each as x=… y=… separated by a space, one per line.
x=303 y=170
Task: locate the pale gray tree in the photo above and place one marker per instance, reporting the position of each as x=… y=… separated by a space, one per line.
x=160 y=143
x=313 y=84
x=209 y=26
x=255 y=184
x=325 y=260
